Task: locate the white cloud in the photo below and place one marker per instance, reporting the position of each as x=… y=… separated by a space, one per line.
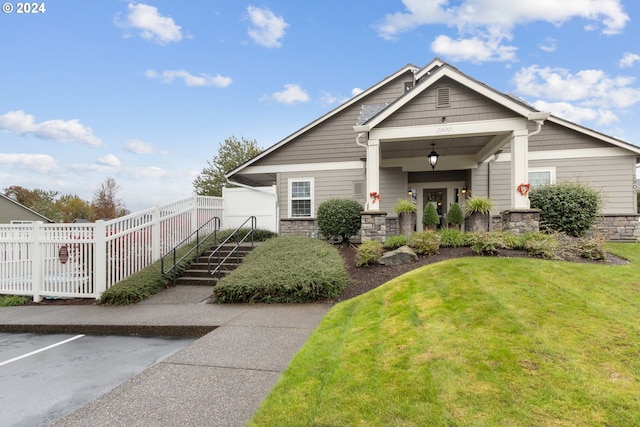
x=109 y=160
x=473 y=49
x=167 y=76
x=267 y=29
x=151 y=25
x=356 y=91
x=549 y=45
x=484 y=24
x=291 y=94
x=20 y=123
x=629 y=59
x=588 y=95
x=136 y=146
x=40 y=163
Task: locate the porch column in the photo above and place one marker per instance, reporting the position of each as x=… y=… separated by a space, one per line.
x=373 y=174
x=519 y=168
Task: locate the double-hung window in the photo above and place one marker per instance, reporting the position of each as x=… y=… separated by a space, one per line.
x=300 y=198
x=541 y=177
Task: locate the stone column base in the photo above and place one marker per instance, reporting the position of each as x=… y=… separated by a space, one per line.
x=520 y=221
x=374 y=226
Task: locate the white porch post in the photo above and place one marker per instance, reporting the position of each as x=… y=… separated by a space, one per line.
x=373 y=174
x=519 y=168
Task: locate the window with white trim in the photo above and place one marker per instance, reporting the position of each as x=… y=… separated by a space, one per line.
x=300 y=198
x=541 y=177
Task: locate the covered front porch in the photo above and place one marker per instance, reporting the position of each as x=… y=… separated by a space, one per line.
x=446 y=163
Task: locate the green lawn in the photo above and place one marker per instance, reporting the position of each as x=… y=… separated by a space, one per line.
x=475 y=342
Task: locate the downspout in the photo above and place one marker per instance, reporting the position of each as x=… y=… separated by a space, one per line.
x=495 y=157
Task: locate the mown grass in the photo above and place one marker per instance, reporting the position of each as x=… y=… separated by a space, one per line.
x=474 y=341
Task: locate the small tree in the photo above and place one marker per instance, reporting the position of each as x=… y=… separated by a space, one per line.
x=568 y=207
x=455 y=215
x=430 y=217
x=231 y=154
x=339 y=218
x=105 y=202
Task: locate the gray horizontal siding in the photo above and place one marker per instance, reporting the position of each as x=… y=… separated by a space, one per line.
x=334 y=139
x=11 y=212
x=613 y=177
x=393 y=186
x=466 y=105
x=327 y=185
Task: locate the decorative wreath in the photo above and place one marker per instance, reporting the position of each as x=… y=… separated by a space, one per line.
x=375 y=196
x=524 y=189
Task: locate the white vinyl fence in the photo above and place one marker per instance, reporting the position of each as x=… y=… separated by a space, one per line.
x=83 y=260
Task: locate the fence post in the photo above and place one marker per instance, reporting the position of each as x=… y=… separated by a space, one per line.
x=100 y=268
x=156 y=243
x=194 y=214
x=37 y=275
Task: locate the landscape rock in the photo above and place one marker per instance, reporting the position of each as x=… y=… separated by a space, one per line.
x=402 y=255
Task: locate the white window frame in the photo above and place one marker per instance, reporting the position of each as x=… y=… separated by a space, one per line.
x=550 y=170
x=310 y=198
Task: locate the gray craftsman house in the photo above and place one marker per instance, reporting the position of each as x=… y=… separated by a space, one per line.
x=375 y=148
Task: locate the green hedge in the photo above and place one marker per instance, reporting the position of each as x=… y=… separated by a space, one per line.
x=287 y=269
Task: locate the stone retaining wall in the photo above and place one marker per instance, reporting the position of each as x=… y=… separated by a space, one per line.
x=623 y=228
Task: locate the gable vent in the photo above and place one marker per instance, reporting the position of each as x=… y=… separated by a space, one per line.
x=442 y=97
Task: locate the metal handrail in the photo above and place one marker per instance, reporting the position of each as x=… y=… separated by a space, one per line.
x=173 y=251
x=236 y=248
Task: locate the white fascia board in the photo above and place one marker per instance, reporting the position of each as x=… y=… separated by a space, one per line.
x=460 y=78
x=580 y=153
x=448 y=130
x=602 y=137
x=304 y=167
x=321 y=119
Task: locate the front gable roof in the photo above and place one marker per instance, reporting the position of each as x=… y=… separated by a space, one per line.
x=332 y=113
x=21 y=206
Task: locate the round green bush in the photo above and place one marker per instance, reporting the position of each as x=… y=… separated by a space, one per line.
x=430 y=215
x=568 y=207
x=455 y=215
x=339 y=218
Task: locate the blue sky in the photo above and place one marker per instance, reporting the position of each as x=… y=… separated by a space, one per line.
x=144 y=92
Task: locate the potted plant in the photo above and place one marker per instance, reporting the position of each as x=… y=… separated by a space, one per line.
x=406 y=211
x=430 y=217
x=477 y=209
x=455 y=217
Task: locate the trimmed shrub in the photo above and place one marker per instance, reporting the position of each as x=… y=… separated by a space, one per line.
x=571 y=208
x=368 y=253
x=455 y=215
x=430 y=216
x=286 y=269
x=394 y=242
x=542 y=245
x=339 y=218
x=452 y=238
x=425 y=242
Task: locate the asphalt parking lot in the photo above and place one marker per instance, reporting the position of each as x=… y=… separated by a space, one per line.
x=45 y=377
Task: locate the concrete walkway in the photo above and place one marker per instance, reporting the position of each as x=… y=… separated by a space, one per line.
x=219 y=380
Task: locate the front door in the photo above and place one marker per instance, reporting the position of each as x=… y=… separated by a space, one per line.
x=438 y=197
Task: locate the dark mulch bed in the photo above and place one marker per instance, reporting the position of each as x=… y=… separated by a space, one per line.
x=365 y=279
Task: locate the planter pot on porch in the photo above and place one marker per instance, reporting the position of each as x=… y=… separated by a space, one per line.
x=407 y=223
x=477 y=221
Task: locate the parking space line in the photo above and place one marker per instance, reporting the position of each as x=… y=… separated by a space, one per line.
x=40 y=350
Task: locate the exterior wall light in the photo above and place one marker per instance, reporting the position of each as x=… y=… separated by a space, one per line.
x=433 y=157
